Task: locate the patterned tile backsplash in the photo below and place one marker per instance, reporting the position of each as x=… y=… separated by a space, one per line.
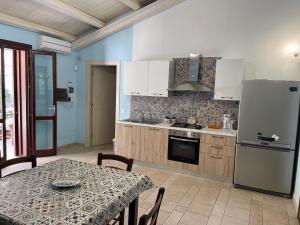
x=201 y=105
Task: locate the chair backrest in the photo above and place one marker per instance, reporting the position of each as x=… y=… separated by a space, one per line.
x=18 y=160
x=153 y=214
x=119 y=158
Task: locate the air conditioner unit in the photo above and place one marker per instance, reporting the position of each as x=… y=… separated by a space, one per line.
x=54 y=45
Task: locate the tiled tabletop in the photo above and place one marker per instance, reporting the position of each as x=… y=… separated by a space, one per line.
x=28 y=197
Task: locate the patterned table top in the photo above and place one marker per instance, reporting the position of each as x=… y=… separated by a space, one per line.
x=27 y=198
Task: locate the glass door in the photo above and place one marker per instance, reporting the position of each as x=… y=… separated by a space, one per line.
x=14 y=96
x=44 y=103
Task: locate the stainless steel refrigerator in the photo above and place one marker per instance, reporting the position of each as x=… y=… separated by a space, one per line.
x=267 y=135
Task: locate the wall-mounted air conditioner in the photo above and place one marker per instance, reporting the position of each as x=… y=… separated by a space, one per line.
x=54 y=45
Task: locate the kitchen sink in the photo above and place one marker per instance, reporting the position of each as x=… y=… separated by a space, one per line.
x=152 y=122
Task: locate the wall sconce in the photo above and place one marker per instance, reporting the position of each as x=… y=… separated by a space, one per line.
x=294 y=51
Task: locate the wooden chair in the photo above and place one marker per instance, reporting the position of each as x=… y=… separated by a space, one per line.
x=153 y=214
x=122 y=159
x=15 y=161
x=119 y=158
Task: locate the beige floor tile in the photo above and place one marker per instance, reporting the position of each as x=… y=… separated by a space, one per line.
x=256 y=208
x=240 y=194
x=162 y=217
x=180 y=209
x=256 y=219
x=239 y=203
x=227 y=220
x=291 y=209
x=173 y=196
x=215 y=220
x=293 y=221
x=200 y=208
x=174 y=218
x=271 y=222
x=270 y=214
x=224 y=195
x=238 y=213
x=219 y=209
x=194 y=219
x=168 y=206
x=186 y=201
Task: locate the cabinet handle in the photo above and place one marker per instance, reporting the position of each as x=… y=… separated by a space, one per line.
x=219 y=137
x=137 y=93
x=216 y=147
x=158 y=94
x=215 y=157
x=129 y=126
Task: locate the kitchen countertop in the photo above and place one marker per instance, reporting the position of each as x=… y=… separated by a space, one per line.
x=204 y=130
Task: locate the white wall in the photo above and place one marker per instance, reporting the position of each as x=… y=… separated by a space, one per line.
x=257 y=30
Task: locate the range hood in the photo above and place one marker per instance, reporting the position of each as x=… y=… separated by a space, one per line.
x=191 y=83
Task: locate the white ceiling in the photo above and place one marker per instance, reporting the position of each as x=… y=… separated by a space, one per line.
x=32 y=11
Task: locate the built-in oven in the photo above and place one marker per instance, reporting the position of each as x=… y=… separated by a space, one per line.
x=184 y=146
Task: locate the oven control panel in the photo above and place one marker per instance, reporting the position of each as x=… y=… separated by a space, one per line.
x=181 y=133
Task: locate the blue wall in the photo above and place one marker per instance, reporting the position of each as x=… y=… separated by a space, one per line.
x=66 y=112
x=115 y=47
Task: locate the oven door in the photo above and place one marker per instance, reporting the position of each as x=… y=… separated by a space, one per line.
x=184 y=149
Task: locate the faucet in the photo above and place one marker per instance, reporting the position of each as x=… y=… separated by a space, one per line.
x=142 y=117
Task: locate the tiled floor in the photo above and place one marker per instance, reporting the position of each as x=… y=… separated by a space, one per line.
x=193 y=200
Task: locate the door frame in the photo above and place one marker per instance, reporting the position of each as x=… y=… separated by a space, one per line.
x=34 y=118
x=298 y=214
x=15 y=46
x=90 y=65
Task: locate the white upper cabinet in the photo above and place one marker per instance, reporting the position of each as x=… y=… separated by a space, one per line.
x=136 y=78
x=229 y=74
x=160 y=78
x=148 y=78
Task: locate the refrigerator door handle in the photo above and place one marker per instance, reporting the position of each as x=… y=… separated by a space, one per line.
x=266 y=147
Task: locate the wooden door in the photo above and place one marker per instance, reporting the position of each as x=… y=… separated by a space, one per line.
x=128 y=140
x=103 y=96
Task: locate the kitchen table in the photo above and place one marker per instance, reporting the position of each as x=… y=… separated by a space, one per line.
x=29 y=198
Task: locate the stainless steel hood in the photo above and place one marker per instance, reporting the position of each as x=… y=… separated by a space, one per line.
x=190 y=86
x=192 y=82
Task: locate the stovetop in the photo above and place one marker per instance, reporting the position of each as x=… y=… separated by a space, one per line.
x=186 y=125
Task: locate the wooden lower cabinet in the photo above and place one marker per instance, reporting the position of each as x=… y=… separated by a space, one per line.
x=154 y=147
x=150 y=144
x=128 y=141
x=217 y=154
x=216 y=165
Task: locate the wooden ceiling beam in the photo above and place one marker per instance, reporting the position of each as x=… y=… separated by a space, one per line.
x=120 y=24
x=133 y=4
x=72 y=11
x=21 y=23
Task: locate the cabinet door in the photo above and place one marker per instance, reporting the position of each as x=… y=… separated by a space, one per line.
x=127 y=140
x=159 y=75
x=136 y=78
x=154 y=145
x=229 y=74
x=216 y=165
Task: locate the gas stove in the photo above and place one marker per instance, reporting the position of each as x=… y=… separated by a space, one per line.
x=186 y=125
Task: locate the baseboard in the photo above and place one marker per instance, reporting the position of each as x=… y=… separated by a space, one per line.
x=70 y=145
